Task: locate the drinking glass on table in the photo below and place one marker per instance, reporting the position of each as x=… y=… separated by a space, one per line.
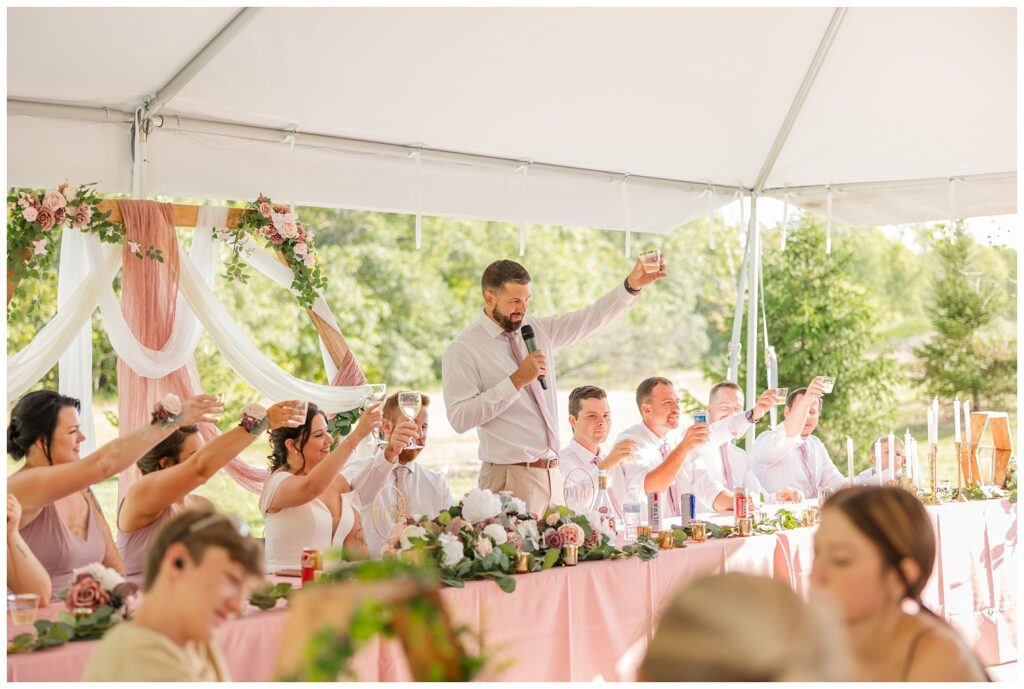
x=409 y=404
x=651 y=260
x=375 y=394
x=23 y=607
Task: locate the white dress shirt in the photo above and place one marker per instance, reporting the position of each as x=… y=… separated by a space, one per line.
x=778 y=463
x=575 y=456
x=627 y=479
x=426 y=490
x=478 y=392
x=721 y=433
x=868 y=477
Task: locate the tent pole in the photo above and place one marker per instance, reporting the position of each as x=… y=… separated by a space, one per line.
x=737 y=319
x=754 y=243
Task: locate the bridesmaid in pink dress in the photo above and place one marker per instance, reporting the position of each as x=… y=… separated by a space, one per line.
x=171 y=471
x=61 y=521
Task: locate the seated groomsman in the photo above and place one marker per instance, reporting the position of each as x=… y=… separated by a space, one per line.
x=727 y=463
x=666 y=461
x=390 y=484
x=590 y=419
x=869 y=477
x=790 y=455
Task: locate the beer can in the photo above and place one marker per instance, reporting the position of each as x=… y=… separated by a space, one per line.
x=688 y=507
x=700 y=417
x=654 y=511
x=741 y=503
x=311 y=562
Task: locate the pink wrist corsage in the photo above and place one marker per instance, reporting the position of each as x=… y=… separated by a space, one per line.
x=167 y=410
x=254 y=418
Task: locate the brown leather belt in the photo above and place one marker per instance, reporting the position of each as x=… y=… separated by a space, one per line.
x=539 y=464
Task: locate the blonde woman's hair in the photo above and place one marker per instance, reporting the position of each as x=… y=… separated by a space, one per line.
x=743 y=628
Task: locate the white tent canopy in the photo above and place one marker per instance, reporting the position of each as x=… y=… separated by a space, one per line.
x=627 y=115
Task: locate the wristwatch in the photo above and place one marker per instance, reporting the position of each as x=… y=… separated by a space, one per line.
x=750 y=417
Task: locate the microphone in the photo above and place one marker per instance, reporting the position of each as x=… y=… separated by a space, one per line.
x=531 y=346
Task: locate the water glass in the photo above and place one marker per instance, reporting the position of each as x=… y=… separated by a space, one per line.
x=23 y=607
x=823 y=495
x=651 y=260
x=631 y=512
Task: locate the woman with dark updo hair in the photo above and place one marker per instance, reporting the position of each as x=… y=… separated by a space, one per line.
x=306 y=501
x=170 y=472
x=61 y=521
x=874 y=553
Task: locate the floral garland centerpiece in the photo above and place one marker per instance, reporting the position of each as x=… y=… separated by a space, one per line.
x=281 y=232
x=34 y=218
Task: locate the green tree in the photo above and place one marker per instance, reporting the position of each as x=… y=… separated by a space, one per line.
x=972 y=353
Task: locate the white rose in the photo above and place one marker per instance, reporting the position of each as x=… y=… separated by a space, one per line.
x=172 y=403
x=479 y=505
x=300 y=248
x=528 y=530
x=408 y=532
x=451 y=549
x=496 y=532
x=256 y=411
x=514 y=506
x=598 y=524
x=110 y=579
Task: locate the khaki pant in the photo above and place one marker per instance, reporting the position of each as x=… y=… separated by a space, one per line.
x=538 y=488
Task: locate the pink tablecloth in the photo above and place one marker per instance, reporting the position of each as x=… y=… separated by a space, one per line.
x=594 y=620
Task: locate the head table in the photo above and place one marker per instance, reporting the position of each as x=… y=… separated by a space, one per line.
x=594 y=620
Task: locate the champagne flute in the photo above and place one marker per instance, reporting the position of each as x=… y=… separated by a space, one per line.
x=376 y=393
x=409 y=404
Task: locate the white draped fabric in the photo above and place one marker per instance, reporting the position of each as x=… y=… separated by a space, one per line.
x=75 y=365
x=197 y=308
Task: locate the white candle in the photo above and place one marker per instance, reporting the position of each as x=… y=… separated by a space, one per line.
x=956 y=420
x=935 y=415
x=892 y=456
x=967 y=421
x=849 y=458
x=933 y=433
x=917 y=464
x=906 y=454
x=878 y=461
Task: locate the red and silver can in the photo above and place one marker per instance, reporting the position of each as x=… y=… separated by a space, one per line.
x=311 y=562
x=741 y=503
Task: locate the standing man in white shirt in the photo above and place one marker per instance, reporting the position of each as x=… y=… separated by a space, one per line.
x=492 y=384
x=725 y=462
x=590 y=419
x=390 y=483
x=790 y=455
x=666 y=460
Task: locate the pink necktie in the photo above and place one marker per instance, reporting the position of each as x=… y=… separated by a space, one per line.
x=615 y=501
x=805 y=454
x=519 y=353
x=403 y=497
x=725 y=466
x=673 y=492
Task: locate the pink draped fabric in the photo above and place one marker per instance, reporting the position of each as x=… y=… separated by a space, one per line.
x=349 y=374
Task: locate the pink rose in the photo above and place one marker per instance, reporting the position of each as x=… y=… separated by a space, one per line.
x=310 y=260
x=80 y=220
x=572 y=534
x=484 y=547
x=30 y=214
x=86 y=593
x=276 y=238
x=44 y=216
x=265 y=209
x=54 y=200
x=67 y=191
x=86 y=210
x=300 y=249
x=552 y=519
x=592 y=540
x=58 y=216
x=553 y=539
x=455 y=525
x=515 y=539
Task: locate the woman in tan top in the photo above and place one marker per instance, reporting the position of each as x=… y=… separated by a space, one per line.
x=874 y=553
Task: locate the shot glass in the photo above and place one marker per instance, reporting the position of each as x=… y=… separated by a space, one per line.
x=23 y=607
x=698 y=531
x=651 y=260
x=745 y=526
x=780 y=395
x=828 y=383
x=823 y=495
x=570 y=555
x=811 y=516
x=299 y=414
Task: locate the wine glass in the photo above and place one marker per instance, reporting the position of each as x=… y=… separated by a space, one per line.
x=409 y=404
x=376 y=393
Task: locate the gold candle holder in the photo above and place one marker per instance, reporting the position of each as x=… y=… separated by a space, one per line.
x=933 y=467
x=698 y=531
x=570 y=555
x=523 y=563
x=81 y=613
x=745 y=526
x=811 y=516
x=644 y=531
x=666 y=540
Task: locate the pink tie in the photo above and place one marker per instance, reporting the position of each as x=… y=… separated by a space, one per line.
x=725 y=466
x=673 y=493
x=615 y=501
x=806 y=455
x=518 y=352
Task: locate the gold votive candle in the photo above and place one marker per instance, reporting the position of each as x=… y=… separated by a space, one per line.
x=644 y=531
x=666 y=540
x=811 y=515
x=570 y=555
x=523 y=562
x=745 y=526
x=698 y=531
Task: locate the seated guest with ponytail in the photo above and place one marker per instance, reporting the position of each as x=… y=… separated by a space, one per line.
x=176 y=467
x=61 y=521
x=306 y=501
x=874 y=553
